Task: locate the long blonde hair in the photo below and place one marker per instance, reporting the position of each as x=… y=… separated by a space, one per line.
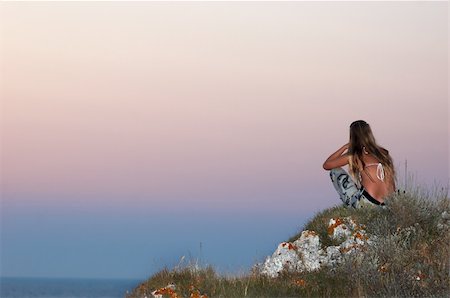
x=361 y=138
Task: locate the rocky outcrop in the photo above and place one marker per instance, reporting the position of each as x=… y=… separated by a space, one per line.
x=306 y=253
x=170 y=291
x=444 y=221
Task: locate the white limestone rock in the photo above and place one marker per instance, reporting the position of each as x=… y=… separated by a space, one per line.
x=308 y=246
x=341 y=227
x=170 y=288
x=306 y=253
x=285 y=256
x=443 y=223
x=333 y=255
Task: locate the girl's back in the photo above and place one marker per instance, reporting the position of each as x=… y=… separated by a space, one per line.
x=373 y=179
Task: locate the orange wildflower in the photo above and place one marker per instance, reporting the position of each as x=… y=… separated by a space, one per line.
x=300 y=282
x=196 y=293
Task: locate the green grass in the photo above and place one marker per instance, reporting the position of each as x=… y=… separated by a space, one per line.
x=410 y=246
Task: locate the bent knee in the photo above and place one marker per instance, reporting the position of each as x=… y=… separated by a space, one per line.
x=336 y=172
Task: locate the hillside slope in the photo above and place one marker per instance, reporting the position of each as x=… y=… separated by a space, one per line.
x=409 y=258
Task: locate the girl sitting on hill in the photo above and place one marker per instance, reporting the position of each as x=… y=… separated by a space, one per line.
x=372 y=173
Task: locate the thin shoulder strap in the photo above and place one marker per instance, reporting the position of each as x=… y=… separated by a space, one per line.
x=372 y=164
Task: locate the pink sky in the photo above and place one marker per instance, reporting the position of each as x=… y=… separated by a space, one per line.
x=214 y=105
x=131 y=132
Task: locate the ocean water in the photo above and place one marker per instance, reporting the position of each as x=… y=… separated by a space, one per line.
x=23 y=287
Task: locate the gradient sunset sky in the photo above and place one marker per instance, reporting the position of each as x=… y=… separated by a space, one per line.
x=133 y=132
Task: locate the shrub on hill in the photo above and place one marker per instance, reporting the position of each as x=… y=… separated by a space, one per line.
x=409 y=258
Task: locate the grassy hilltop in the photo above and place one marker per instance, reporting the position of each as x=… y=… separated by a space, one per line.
x=412 y=257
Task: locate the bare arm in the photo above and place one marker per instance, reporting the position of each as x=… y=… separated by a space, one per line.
x=337 y=159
